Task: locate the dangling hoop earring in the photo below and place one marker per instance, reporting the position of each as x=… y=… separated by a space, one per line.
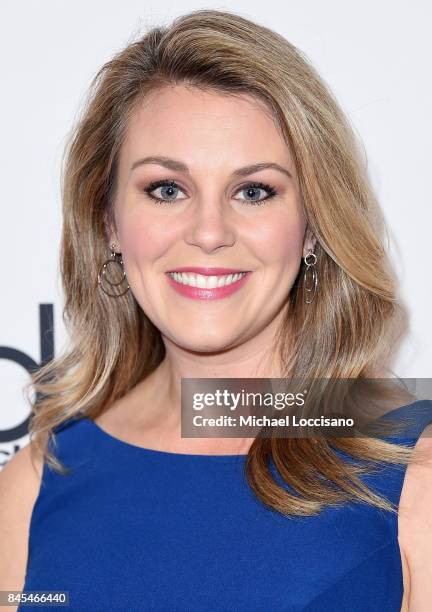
x=310 y=268
x=102 y=276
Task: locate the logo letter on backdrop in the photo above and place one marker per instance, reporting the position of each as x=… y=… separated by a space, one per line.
x=46 y=335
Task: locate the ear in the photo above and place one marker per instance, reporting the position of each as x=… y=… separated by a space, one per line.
x=110 y=232
x=309 y=242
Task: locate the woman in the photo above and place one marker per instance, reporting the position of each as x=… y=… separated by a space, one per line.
x=214 y=144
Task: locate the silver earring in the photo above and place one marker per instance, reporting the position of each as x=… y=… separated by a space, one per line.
x=102 y=276
x=310 y=270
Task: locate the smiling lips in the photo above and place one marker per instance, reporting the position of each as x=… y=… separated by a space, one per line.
x=207 y=283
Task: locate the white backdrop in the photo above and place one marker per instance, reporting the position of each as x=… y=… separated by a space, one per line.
x=374 y=55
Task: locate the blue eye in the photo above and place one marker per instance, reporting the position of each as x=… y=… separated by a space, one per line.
x=171 y=188
x=251 y=187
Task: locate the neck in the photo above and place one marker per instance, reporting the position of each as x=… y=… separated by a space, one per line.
x=254 y=358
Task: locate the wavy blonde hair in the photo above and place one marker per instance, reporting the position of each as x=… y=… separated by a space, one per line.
x=346 y=330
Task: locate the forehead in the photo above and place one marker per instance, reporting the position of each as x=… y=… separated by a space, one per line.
x=203 y=127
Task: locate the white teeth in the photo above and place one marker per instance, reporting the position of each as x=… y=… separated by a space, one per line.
x=205 y=282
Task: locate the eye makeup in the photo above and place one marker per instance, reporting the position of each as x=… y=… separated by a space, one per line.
x=172 y=184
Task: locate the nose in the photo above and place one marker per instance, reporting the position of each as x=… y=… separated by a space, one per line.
x=210 y=228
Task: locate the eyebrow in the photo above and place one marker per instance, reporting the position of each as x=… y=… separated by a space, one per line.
x=179 y=166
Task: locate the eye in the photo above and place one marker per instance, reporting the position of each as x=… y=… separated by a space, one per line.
x=253 y=190
x=168 y=187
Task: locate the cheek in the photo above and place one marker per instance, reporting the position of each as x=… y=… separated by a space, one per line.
x=280 y=240
x=143 y=238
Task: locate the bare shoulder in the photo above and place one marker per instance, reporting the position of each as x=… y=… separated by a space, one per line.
x=20 y=481
x=415 y=523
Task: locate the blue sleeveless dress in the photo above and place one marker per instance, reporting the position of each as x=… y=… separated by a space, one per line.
x=137 y=529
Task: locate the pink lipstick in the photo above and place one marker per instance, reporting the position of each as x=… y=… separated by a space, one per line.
x=204 y=292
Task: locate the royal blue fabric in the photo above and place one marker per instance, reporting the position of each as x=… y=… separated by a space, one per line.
x=139 y=529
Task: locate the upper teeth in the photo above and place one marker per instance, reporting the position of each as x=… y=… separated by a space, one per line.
x=205 y=282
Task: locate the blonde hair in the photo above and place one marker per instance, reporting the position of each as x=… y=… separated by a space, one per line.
x=346 y=330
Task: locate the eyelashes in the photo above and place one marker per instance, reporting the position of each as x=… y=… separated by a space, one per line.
x=172 y=185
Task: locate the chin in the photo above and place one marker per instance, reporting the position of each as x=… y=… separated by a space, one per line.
x=205 y=343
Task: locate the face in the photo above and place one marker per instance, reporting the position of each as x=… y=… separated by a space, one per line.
x=215 y=213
